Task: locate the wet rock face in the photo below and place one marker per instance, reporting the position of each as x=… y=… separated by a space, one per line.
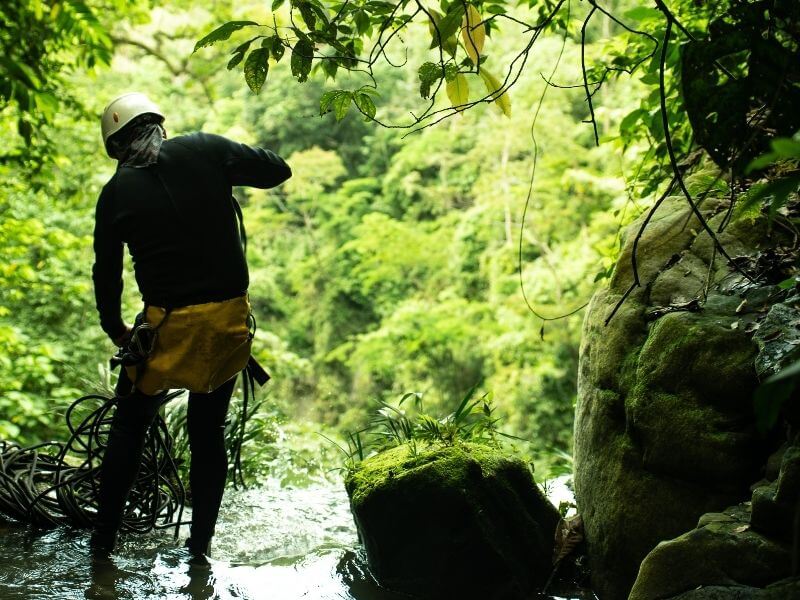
x=744 y=551
x=464 y=521
x=781 y=590
x=664 y=427
x=722 y=551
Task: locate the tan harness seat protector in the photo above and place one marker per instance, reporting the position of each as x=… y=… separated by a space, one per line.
x=198 y=347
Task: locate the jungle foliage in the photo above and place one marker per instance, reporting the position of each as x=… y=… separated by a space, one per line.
x=457 y=166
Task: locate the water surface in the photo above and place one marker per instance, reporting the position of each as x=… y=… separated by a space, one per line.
x=272 y=542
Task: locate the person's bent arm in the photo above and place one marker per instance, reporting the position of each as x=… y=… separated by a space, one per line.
x=107 y=271
x=248 y=166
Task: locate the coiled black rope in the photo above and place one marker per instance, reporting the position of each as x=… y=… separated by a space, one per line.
x=57 y=483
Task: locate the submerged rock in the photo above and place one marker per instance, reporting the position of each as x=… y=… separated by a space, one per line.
x=462 y=521
x=664 y=427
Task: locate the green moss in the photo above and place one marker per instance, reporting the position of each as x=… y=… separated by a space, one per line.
x=447 y=466
x=428 y=518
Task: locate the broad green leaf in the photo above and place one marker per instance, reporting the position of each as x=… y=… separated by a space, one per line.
x=336 y=100
x=302 y=56
x=650 y=78
x=309 y=17
x=276 y=4
x=320 y=12
x=326 y=99
x=239 y=52
x=379 y=7
x=761 y=162
x=786 y=147
x=235 y=60
x=277 y=48
x=458 y=91
x=450 y=44
x=473 y=33
x=793 y=370
x=365 y=105
x=447 y=26
x=493 y=86
x=255 y=68
x=330 y=67
x=631 y=119
x=361 y=19
x=341 y=104
x=20 y=71
x=223 y=32
x=245 y=46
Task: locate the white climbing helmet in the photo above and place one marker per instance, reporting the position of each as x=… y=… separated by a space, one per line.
x=123 y=110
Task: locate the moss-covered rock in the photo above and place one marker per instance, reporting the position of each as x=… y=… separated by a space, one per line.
x=462 y=521
x=744 y=551
x=785 y=589
x=722 y=551
x=664 y=427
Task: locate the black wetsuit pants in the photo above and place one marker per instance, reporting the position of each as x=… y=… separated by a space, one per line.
x=207 y=471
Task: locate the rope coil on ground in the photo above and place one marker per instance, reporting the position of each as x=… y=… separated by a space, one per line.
x=56 y=483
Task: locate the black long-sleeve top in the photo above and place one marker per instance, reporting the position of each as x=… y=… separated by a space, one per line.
x=179 y=223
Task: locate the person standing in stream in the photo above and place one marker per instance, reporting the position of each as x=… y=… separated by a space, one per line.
x=170 y=202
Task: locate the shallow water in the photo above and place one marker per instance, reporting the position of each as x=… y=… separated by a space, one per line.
x=271 y=543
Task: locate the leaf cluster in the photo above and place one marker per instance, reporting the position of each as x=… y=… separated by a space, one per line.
x=41 y=44
x=395 y=424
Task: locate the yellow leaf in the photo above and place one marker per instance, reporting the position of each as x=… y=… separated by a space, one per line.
x=493 y=85
x=473 y=33
x=458 y=91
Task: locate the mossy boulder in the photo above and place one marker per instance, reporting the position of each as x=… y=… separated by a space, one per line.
x=724 y=550
x=744 y=551
x=461 y=521
x=664 y=427
x=785 y=589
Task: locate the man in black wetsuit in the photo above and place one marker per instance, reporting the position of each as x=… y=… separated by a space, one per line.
x=170 y=202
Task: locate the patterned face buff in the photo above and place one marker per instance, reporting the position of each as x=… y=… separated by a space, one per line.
x=138 y=144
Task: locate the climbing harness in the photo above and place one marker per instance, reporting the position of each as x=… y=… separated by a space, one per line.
x=197 y=347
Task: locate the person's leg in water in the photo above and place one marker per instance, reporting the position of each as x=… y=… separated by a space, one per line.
x=209 y=467
x=121 y=463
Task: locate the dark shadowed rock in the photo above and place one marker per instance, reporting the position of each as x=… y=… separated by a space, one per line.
x=722 y=551
x=463 y=521
x=775 y=505
x=744 y=551
x=787 y=589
